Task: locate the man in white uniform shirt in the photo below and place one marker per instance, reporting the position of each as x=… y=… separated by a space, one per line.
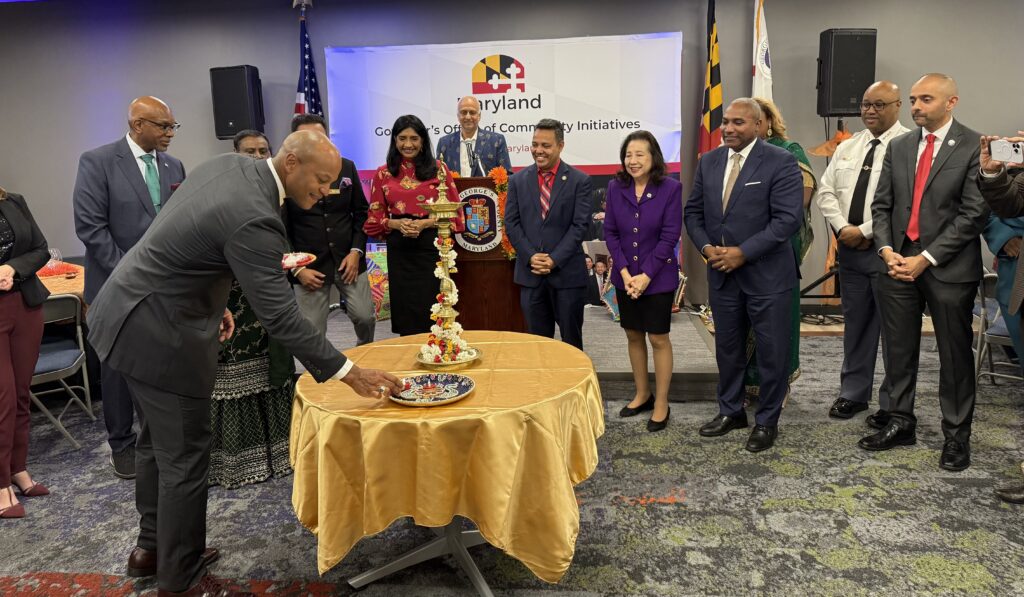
x=844 y=196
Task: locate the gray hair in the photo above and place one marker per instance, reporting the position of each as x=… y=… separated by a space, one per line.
x=751 y=104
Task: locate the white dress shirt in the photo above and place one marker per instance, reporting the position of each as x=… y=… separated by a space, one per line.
x=465 y=158
x=280 y=201
x=940 y=134
x=835 y=190
x=138 y=152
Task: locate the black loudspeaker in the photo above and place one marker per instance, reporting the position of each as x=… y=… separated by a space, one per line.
x=237 y=99
x=846 y=67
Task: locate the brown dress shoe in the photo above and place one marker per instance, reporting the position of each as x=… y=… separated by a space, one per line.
x=206 y=587
x=142 y=562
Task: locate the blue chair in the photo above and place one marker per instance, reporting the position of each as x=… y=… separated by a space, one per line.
x=992 y=330
x=60 y=358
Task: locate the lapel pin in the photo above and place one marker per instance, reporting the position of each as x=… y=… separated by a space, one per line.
x=648 y=195
x=951 y=143
x=565 y=178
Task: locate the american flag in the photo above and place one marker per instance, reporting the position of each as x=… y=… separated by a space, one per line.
x=307 y=95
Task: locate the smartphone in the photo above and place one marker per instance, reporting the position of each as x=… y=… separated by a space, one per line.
x=1006 y=151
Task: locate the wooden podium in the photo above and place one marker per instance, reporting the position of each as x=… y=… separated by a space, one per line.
x=488 y=298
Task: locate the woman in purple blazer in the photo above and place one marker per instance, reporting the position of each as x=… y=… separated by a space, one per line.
x=643 y=223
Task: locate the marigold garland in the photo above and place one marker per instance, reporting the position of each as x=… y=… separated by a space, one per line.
x=500 y=177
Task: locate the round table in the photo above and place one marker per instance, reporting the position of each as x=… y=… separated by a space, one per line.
x=505 y=457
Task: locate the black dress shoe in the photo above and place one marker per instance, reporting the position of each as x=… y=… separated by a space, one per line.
x=653 y=425
x=761 y=438
x=878 y=420
x=142 y=562
x=889 y=437
x=632 y=412
x=844 y=409
x=123 y=463
x=956 y=456
x=723 y=424
x=1013 y=495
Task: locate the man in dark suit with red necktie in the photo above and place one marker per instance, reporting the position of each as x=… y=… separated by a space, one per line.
x=545 y=217
x=928 y=216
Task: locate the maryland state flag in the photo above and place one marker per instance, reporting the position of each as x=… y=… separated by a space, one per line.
x=498 y=73
x=711 y=115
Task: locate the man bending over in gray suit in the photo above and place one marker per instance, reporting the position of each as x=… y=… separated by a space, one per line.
x=159 y=318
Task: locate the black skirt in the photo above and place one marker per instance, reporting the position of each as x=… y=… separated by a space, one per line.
x=411 y=282
x=651 y=313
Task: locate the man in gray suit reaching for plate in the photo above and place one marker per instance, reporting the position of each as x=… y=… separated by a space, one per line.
x=159 y=318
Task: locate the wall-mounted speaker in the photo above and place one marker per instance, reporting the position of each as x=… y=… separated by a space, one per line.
x=846 y=67
x=237 y=99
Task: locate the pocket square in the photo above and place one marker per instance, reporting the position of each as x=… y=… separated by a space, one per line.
x=750 y=184
x=346 y=182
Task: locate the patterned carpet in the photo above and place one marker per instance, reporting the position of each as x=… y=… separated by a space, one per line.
x=665 y=514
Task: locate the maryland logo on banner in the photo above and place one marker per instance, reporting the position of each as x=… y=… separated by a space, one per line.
x=578 y=81
x=498 y=74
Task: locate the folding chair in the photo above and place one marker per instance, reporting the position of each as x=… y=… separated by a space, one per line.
x=59 y=359
x=992 y=331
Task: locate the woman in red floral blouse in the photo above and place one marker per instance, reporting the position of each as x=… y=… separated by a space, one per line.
x=399 y=191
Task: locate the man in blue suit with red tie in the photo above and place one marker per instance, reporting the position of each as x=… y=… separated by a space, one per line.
x=546 y=214
x=747 y=201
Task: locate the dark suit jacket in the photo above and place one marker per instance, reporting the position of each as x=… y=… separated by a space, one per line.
x=642 y=237
x=560 y=234
x=30 y=251
x=333 y=227
x=157 y=316
x=1006 y=197
x=765 y=210
x=113 y=208
x=491 y=149
x=952 y=214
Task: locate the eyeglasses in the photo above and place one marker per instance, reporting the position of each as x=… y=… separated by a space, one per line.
x=878 y=106
x=164 y=127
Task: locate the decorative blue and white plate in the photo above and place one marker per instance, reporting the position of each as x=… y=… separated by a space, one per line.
x=433 y=389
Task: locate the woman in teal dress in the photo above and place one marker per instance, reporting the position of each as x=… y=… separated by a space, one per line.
x=773 y=130
x=250 y=414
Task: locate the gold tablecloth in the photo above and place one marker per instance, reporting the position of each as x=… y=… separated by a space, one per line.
x=506 y=457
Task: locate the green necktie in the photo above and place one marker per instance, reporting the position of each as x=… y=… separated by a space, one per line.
x=152 y=181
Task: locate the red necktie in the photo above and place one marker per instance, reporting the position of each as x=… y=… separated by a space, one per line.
x=924 y=167
x=545 y=193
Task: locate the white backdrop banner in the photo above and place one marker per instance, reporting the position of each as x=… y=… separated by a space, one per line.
x=601 y=88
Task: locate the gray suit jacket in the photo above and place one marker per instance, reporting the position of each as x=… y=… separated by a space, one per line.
x=1006 y=196
x=113 y=208
x=952 y=214
x=156 y=318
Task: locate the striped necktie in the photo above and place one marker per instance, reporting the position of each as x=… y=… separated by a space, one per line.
x=545 y=193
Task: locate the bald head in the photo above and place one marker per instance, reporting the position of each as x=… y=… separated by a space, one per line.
x=880 y=107
x=307 y=164
x=944 y=82
x=150 y=123
x=932 y=99
x=469 y=116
